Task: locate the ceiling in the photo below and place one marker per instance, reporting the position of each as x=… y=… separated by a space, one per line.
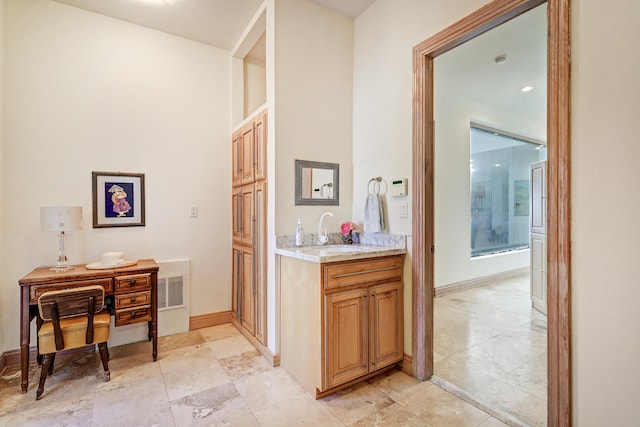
x=218 y=23
x=471 y=68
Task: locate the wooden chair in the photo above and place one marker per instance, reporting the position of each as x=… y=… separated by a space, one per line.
x=72 y=318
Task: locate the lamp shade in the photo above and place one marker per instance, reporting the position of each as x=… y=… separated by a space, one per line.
x=60 y=218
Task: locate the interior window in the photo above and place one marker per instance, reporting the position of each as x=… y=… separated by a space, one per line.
x=499 y=202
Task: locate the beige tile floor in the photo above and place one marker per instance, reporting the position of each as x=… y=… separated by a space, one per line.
x=490 y=342
x=213 y=377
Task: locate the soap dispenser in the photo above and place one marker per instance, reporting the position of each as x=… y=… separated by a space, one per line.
x=299 y=232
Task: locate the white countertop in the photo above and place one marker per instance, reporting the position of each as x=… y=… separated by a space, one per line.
x=333 y=253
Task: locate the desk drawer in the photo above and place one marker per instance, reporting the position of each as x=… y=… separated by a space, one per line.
x=36 y=290
x=133 y=315
x=135 y=282
x=367 y=271
x=133 y=299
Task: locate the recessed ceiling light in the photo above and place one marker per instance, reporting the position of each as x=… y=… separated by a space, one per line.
x=501 y=59
x=527 y=88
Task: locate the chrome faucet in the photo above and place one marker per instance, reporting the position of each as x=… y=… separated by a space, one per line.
x=323 y=238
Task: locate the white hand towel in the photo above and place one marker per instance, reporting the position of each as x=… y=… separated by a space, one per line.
x=373 y=214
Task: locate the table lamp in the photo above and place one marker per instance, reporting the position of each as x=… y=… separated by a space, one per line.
x=61 y=219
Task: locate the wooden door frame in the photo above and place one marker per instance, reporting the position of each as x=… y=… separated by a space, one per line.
x=558 y=207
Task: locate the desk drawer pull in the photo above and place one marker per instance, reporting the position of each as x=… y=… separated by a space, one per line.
x=132 y=282
x=133 y=299
x=134 y=313
x=335 y=276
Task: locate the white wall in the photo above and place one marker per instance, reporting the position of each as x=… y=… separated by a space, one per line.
x=84 y=92
x=255 y=78
x=313 y=104
x=605 y=205
x=309 y=92
x=453 y=113
x=384 y=36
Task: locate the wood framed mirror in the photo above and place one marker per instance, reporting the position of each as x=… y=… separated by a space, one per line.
x=317 y=183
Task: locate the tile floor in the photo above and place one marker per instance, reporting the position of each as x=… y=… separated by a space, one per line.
x=490 y=342
x=213 y=377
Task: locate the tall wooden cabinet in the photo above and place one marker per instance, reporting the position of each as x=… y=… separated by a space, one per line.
x=538 y=236
x=249 y=201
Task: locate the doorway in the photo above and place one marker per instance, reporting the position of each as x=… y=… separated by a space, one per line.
x=489 y=343
x=558 y=133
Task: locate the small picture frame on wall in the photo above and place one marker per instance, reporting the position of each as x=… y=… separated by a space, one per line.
x=118 y=199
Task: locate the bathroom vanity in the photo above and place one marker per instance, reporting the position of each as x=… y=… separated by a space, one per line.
x=341 y=314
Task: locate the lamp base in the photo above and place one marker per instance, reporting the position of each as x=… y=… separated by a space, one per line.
x=63 y=262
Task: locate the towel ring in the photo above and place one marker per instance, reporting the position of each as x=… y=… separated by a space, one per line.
x=376 y=185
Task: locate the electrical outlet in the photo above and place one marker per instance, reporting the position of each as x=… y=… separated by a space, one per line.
x=193 y=211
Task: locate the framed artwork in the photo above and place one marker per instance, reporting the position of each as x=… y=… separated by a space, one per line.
x=521 y=198
x=118 y=199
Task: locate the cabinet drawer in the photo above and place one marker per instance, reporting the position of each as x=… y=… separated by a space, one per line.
x=335 y=275
x=37 y=290
x=133 y=315
x=135 y=282
x=133 y=299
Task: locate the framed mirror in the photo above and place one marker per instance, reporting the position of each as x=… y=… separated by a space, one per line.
x=317 y=183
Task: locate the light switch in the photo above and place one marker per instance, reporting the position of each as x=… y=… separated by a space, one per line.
x=193 y=211
x=404 y=210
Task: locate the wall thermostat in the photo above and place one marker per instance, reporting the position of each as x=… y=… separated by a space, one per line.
x=399 y=187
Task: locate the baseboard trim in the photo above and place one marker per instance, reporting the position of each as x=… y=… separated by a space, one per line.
x=12 y=357
x=211 y=319
x=406 y=364
x=479 y=281
x=272 y=358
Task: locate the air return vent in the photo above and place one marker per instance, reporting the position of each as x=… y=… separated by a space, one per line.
x=170 y=292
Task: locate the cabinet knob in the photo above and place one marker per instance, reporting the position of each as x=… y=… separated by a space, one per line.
x=133 y=300
x=132 y=282
x=134 y=314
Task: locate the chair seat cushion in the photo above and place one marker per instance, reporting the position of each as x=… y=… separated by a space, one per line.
x=74 y=330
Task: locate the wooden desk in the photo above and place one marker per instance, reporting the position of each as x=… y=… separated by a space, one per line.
x=133 y=293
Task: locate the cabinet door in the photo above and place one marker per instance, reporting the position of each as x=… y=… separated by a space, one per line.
x=259 y=258
x=247 y=292
x=236 y=160
x=260 y=146
x=386 y=327
x=538 y=176
x=538 y=254
x=247 y=214
x=345 y=337
x=247 y=137
x=236 y=216
x=236 y=280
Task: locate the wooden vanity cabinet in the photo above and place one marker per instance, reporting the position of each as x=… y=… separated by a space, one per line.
x=358 y=330
x=363 y=332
